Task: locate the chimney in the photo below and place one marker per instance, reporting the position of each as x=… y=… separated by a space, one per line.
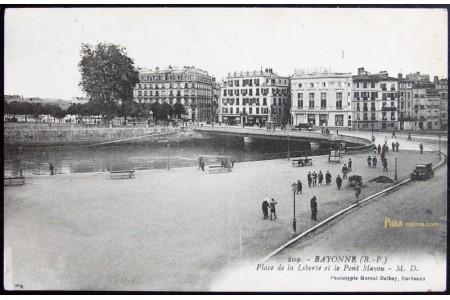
x=360 y=71
x=436 y=79
x=400 y=76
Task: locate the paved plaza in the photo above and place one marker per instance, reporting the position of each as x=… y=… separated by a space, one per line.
x=168 y=230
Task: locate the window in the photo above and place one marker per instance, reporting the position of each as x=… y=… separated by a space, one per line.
x=323 y=100
x=356 y=95
x=374 y=95
x=250 y=110
x=339 y=84
x=372 y=116
x=257 y=92
x=323 y=120
x=339 y=100
x=358 y=107
x=264 y=101
x=339 y=120
x=365 y=117
x=237 y=102
x=231 y=110
x=300 y=99
x=299 y=85
x=250 y=92
x=312 y=119
x=311 y=100
x=257 y=110
x=237 y=110
x=372 y=106
x=372 y=85
x=225 y=93
x=357 y=84
x=365 y=107
x=365 y=85
x=311 y=85
x=324 y=84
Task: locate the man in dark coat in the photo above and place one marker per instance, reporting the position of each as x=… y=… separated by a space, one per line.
x=265 y=208
x=396 y=146
x=339 y=182
x=344 y=171
x=299 y=186
x=314 y=208
x=314 y=178
x=309 y=179
x=374 y=162
x=357 y=192
x=51 y=169
x=421 y=148
x=369 y=161
x=393 y=147
x=379 y=148
x=320 y=177
x=349 y=164
x=328 y=177
x=385 y=163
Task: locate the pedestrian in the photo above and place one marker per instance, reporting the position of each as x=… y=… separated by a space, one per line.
x=393 y=134
x=299 y=186
x=328 y=177
x=369 y=161
x=393 y=147
x=320 y=177
x=202 y=165
x=357 y=190
x=421 y=148
x=396 y=146
x=272 y=210
x=339 y=182
x=409 y=136
x=374 y=162
x=314 y=208
x=349 y=165
x=309 y=179
x=51 y=169
x=232 y=161
x=379 y=148
x=314 y=178
x=200 y=159
x=344 y=171
x=265 y=208
x=385 y=165
x=382 y=157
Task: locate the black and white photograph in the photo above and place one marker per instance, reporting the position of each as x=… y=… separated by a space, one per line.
x=225 y=149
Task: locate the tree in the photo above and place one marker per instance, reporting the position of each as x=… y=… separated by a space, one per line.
x=108 y=77
x=179 y=109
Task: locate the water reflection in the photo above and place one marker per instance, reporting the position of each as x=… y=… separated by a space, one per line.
x=80 y=159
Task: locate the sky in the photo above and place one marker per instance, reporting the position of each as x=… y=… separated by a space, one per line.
x=42 y=45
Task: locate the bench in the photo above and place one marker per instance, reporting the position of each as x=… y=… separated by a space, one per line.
x=121 y=174
x=13 y=180
x=218 y=168
x=302 y=162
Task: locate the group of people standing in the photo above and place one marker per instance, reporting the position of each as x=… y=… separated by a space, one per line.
x=312 y=178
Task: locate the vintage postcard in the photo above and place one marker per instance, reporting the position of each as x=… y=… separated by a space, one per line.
x=225 y=149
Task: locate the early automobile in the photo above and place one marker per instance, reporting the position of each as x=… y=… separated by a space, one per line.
x=422 y=171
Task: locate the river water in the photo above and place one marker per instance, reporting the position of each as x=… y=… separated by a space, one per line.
x=35 y=161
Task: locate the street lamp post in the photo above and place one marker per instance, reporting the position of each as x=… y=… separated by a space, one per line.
x=168 y=156
x=395 y=176
x=294 y=221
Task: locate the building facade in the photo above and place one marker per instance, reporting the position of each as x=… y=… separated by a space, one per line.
x=425 y=102
x=375 y=101
x=190 y=86
x=254 y=98
x=321 y=99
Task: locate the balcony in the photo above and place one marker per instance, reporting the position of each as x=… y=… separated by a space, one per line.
x=389 y=108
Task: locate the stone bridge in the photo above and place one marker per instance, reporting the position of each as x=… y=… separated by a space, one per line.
x=314 y=138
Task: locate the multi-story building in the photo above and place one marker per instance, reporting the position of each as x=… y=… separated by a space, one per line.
x=321 y=99
x=189 y=86
x=425 y=102
x=442 y=87
x=405 y=117
x=254 y=97
x=375 y=101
